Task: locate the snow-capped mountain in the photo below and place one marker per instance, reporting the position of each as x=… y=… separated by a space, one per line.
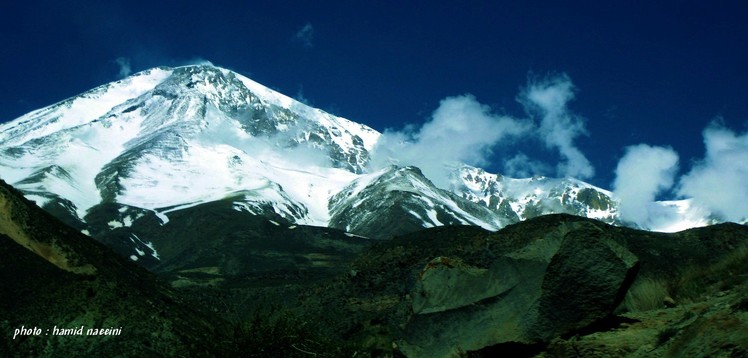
x=166 y=140
x=397 y=200
x=520 y=199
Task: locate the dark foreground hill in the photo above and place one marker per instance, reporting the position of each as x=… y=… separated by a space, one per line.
x=64 y=294
x=555 y=285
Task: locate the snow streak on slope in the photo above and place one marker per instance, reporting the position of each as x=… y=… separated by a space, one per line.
x=59 y=150
x=211 y=173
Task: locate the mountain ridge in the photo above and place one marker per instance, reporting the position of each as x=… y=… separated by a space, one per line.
x=167 y=139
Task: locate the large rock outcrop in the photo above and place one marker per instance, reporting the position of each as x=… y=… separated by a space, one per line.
x=554 y=285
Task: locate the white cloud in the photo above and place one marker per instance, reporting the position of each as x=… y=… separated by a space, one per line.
x=145 y=59
x=522 y=166
x=460 y=130
x=719 y=182
x=195 y=61
x=643 y=173
x=305 y=35
x=301 y=98
x=558 y=126
x=124 y=66
x=463 y=130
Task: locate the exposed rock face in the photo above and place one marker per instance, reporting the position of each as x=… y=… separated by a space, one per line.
x=446 y=284
x=503 y=317
x=547 y=288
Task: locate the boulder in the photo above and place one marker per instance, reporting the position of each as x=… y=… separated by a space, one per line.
x=585 y=281
x=565 y=281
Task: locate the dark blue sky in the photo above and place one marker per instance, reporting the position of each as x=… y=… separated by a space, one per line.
x=655 y=72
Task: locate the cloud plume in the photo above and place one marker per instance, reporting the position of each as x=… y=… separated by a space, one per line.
x=199 y=61
x=463 y=130
x=718 y=182
x=522 y=166
x=558 y=127
x=305 y=35
x=460 y=130
x=643 y=173
x=125 y=69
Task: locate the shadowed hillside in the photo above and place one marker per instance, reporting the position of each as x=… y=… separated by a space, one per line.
x=54 y=277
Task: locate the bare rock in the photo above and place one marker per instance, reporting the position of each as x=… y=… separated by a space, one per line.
x=554 y=286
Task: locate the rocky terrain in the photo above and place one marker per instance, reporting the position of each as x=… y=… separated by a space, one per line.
x=556 y=285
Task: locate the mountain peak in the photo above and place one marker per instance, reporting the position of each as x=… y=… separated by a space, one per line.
x=167 y=137
x=215 y=83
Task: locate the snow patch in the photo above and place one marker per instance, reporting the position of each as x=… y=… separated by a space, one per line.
x=418 y=216
x=241 y=207
x=162 y=217
x=148 y=244
x=432 y=216
x=38 y=199
x=154 y=253
x=354 y=235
